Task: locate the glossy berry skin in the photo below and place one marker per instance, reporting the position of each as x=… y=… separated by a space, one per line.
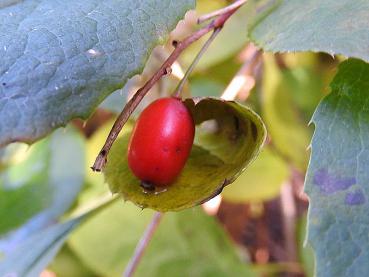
x=161 y=142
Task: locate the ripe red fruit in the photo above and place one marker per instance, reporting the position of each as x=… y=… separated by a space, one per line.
x=161 y=142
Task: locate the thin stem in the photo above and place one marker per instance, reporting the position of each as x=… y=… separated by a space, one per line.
x=142 y=245
x=219 y=12
x=164 y=69
x=288 y=207
x=181 y=84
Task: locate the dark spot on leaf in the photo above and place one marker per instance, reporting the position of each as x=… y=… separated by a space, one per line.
x=148 y=186
x=236 y=123
x=355 y=198
x=254 y=131
x=329 y=183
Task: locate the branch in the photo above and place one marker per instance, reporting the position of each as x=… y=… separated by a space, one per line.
x=211 y=15
x=163 y=70
x=142 y=245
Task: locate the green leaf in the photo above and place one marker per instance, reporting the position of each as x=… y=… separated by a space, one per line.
x=60 y=59
x=288 y=131
x=203 y=87
x=30 y=257
x=335 y=27
x=42 y=182
x=228 y=139
x=66 y=263
x=338 y=176
x=261 y=181
x=188 y=242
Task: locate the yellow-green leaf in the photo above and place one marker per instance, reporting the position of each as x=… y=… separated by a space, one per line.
x=228 y=137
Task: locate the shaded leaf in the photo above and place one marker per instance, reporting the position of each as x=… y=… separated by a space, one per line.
x=188 y=242
x=338 y=176
x=60 y=59
x=335 y=27
x=31 y=257
x=40 y=184
x=261 y=181
x=228 y=139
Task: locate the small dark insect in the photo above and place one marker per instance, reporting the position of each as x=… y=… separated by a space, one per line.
x=147 y=186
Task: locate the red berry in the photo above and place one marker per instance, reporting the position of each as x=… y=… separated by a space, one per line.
x=161 y=142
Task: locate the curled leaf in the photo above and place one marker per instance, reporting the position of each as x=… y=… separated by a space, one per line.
x=228 y=137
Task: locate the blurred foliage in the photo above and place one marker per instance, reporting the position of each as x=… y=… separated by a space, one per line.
x=261 y=181
x=66 y=263
x=41 y=181
x=31 y=256
x=282 y=92
x=305 y=251
x=229 y=36
x=233 y=37
x=204 y=87
x=189 y=242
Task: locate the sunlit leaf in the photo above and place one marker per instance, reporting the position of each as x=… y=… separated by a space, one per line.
x=188 y=242
x=228 y=139
x=288 y=130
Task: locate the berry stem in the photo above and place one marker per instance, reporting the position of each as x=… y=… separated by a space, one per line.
x=217 y=23
x=178 y=90
x=142 y=245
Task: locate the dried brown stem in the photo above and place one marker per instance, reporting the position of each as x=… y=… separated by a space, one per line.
x=142 y=245
x=163 y=70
